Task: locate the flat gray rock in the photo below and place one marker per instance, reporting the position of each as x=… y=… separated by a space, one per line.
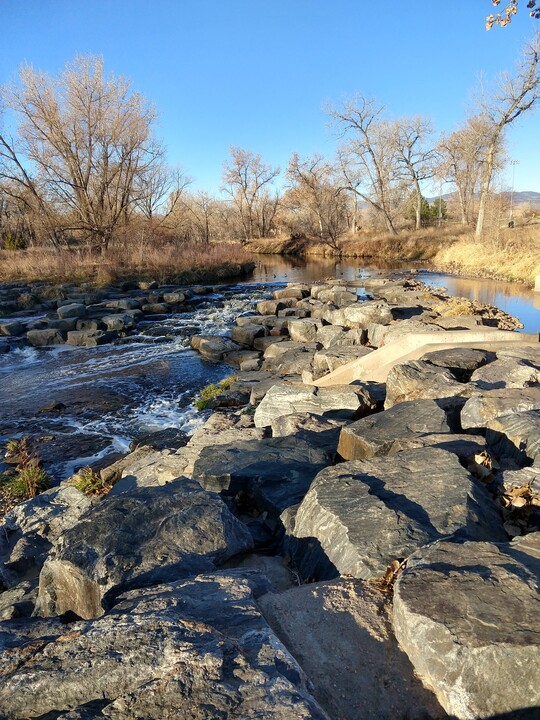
x=362 y=515
x=135 y=539
x=468 y=616
x=276 y=472
x=461 y=362
x=420 y=380
x=516 y=435
x=192 y=649
x=377 y=434
x=506 y=372
x=347 y=401
x=479 y=410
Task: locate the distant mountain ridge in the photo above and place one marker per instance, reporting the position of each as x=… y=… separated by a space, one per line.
x=520 y=198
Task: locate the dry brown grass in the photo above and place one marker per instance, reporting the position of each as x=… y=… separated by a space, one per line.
x=513 y=255
x=408 y=245
x=181 y=263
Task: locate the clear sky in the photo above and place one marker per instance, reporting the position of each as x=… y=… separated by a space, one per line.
x=257 y=73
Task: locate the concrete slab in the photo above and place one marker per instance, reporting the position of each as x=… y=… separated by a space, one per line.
x=376 y=366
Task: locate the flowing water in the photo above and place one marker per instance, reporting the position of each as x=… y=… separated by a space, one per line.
x=148 y=382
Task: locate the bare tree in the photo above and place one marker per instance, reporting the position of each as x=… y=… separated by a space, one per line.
x=90 y=141
x=159 y=190
x=201 y=211
x=415 y=155
x=247 y=180
x=462 y=154
x=514 y=95
x=370 y=156
x=315 y=187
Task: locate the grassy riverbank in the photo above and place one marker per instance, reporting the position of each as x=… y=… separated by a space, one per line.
x=513 y=255
x=178 y=263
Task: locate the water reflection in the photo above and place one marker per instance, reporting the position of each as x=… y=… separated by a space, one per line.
x=513 y=298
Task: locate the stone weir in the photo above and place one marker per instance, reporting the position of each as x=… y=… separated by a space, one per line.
x=369 y=549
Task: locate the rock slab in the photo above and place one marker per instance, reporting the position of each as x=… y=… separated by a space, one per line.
x=468 y=616
x=140 y=538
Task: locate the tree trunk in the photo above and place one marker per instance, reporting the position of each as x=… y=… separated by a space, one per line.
x=484 y=192
x=418 y=210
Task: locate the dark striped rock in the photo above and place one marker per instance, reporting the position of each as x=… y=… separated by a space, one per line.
x=468 y=617
x=362 y=515
x=136 y=539
x=191 y=649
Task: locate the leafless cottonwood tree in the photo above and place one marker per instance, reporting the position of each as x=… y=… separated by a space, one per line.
x=316 y=188
x=416 y=155
x=90 y=141
x=370 y=156
x=21 y=189
x=159 y=190
x=513 y=96
x=247 y=179
x=201 y=212
x=462 y=156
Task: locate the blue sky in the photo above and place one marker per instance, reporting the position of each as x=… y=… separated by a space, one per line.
x=257 y=73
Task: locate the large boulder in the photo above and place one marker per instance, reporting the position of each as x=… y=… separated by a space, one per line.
x=340 y=633
x=31 y=528
x=460 y=361
x=46 y=337
x=420 y=380
x=325 y=361
x=72 y=310
x=291 y=362
x=380 y=335
x=362 y=515
x=295 y=423
x=192 y=649
x=362 y=314
x=516 y=435
x=89 y=338
x=348 y=401
x=12 y=328
x=479 y=410
x=118 y=322
x=292 y=291
x=275 y=472
x=213 y=347
x=389 y=431
x=147 y=536
x=303 y=331
x=468 y=617
x=506 y=372
x=246 y=334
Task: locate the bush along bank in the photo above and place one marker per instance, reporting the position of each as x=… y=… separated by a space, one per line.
x=370 y=527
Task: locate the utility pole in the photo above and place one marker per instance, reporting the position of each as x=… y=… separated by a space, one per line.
x=513 y=163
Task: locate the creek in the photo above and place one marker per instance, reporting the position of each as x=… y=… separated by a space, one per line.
x=148 y=382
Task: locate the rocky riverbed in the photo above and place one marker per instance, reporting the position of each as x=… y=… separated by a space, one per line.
x=369 y=550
